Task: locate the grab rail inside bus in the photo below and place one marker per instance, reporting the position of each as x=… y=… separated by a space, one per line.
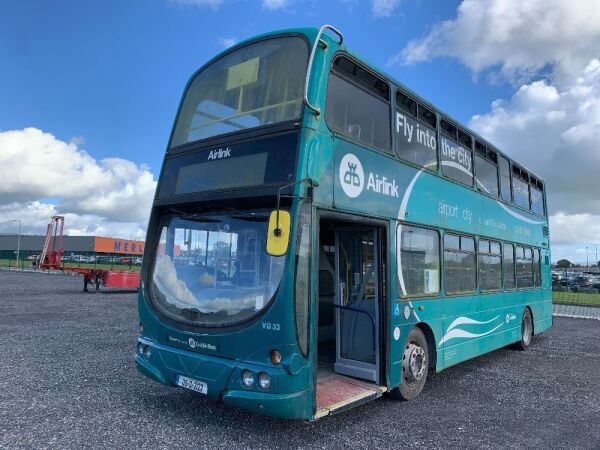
x=318 y=40
x=373 y=327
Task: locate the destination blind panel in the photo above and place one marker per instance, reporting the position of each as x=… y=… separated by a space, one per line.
x=257 y=163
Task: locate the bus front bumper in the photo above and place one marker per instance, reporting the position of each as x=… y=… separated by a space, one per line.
x=224 y=381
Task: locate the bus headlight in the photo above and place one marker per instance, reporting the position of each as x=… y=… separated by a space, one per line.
x=147 y=351
x=140 y=349
x=247 y=378
x=264 y=381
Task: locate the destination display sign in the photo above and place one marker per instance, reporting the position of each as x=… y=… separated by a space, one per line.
x=416 y=142
x=266 y=161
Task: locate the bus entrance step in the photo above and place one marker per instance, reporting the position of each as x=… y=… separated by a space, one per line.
x=339 y=393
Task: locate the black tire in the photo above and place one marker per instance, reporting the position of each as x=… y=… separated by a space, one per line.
x=411 y=386
x=526 y=331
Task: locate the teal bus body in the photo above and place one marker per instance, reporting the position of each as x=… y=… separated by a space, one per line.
x=395 y=194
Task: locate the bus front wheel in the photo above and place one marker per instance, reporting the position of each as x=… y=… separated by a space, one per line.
x=526 y=330
x=415 y=366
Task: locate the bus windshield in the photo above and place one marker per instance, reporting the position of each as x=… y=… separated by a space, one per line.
x=213 y=269
x=258 y=84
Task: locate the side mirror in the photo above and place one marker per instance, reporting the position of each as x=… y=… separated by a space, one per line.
x=278 y=234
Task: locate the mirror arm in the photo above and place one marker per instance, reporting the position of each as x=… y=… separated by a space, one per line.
x=277 y=231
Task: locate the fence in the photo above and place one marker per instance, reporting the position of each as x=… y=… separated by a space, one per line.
x=84 y=260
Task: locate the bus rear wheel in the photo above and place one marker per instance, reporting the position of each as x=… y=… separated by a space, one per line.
x=415 y=366
x=526 y=331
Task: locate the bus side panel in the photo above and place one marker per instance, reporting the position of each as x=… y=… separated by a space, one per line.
x=479 y=346
x=480 y=324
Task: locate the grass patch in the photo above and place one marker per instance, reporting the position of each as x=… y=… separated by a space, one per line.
x=27 y=265
x=11 y=263
x=574 y=298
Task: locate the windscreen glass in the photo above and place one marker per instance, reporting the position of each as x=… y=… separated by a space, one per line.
x=213 y=269
x=259 y=84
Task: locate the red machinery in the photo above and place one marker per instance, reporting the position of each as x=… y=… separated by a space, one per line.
x=51 y=258
x=52 y=253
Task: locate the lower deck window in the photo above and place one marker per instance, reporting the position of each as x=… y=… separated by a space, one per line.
x=460 y=273
x=524 y=267
x=537 y=269
x=419 y=260
x=490 y=263
x=508 y=266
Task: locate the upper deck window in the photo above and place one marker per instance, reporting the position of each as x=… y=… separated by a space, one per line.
x=456 y=155
x=415 y=132
x=486 y=169
x=536 y=189
x=504 y=169
x=520 y=182
x=258 y=84
x=358 y=104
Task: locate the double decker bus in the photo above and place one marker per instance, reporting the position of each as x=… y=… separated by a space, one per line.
x=321 y=235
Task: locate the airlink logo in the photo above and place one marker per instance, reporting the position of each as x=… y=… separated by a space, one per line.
x=219 y=154
x=352 y=179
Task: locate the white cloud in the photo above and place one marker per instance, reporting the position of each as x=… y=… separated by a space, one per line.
x=572 y=229
x=227 y=42
x=384 y=8
x=43 y=176
x=517 y=37
x=35 y=215
x=273 y=5
x=554 y=130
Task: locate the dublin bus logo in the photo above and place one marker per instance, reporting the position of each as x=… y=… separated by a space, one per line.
x=351 y=175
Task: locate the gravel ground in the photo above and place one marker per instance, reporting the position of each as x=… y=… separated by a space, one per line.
x=67 y=380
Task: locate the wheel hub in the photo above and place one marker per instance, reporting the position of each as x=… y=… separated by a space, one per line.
x=414 y=362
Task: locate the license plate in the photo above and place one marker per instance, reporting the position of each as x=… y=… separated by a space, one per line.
x=189 y=383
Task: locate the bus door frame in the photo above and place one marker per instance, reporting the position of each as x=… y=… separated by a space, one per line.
x=382 y=227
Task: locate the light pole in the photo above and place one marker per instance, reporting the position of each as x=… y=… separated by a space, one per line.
x=18 y=241
x=587 y=258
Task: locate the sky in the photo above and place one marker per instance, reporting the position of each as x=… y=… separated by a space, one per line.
x=89 y=91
